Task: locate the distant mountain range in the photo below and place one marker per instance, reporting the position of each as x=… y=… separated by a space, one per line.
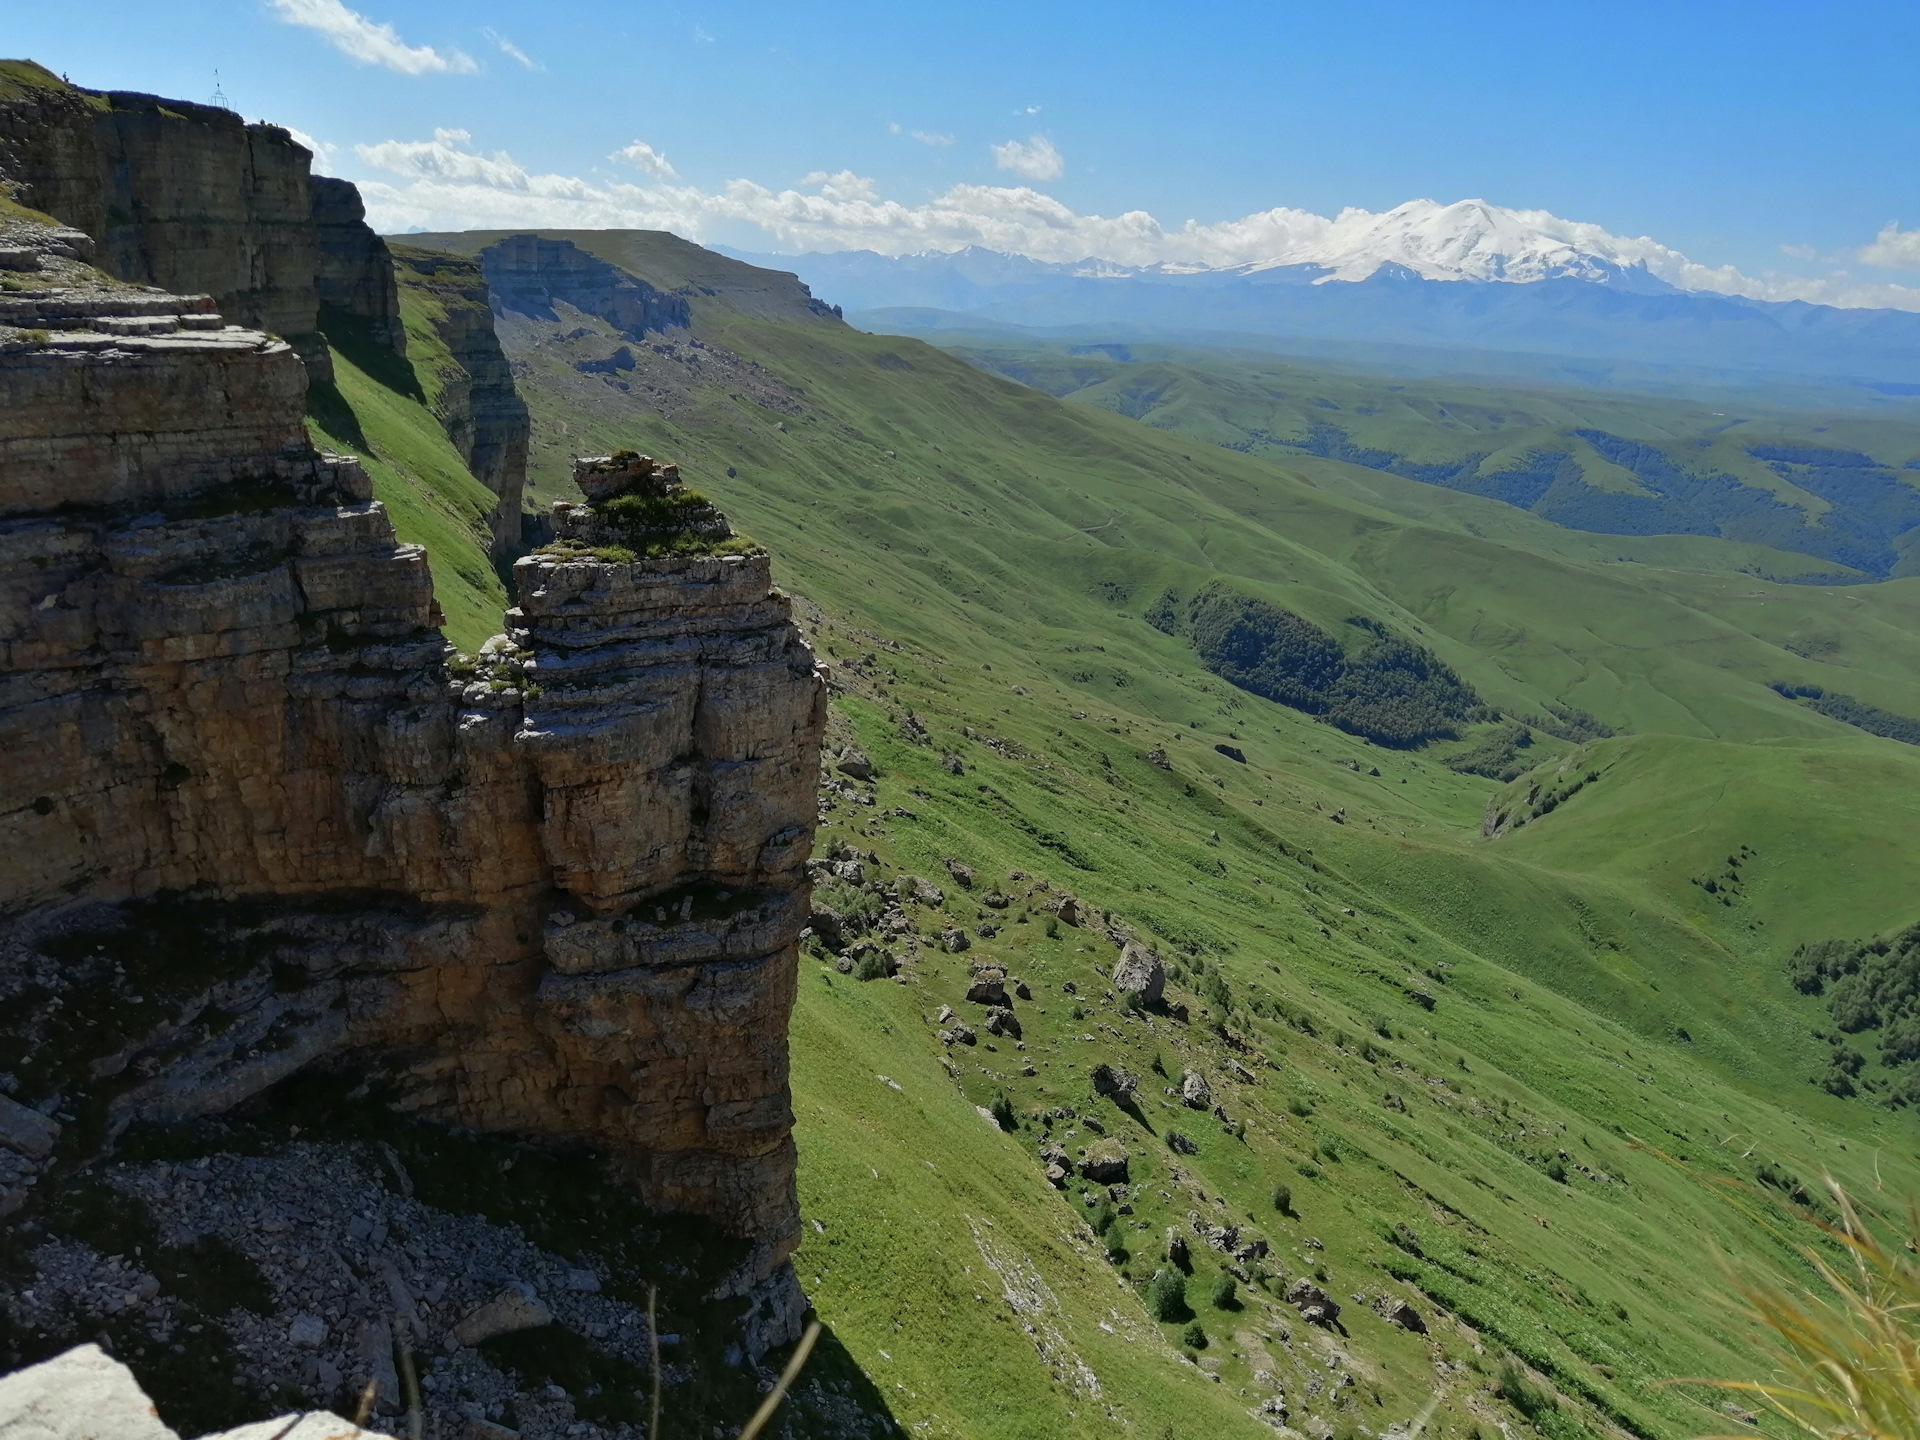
x=1469 y=276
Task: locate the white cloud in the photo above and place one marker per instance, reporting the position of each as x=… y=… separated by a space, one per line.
x=440 y=184
x=359 y=38
x=701 y=37
x=925 y=137
x=644 y=158
x=512 y=51
x=1035 y=160
x=322 y=152
x=1800 y=252
x=1894 y=248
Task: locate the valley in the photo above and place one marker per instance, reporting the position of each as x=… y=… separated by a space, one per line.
x=979 y=559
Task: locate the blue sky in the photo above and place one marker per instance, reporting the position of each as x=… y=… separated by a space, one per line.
x=1724 y=131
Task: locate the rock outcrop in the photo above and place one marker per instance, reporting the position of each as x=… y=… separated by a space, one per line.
x=182 y=196
x=530 y=274
x=476 y=402
x=354 y=279
x=261 y=827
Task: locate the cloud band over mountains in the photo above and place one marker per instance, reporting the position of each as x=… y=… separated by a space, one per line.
x=441 y=184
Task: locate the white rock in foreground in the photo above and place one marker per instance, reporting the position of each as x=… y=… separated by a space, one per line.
x=86 y=1394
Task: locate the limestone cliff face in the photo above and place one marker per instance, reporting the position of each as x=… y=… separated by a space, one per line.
x=477 y=405
x=354 y=278
x=192 y=199
x=559 y=894
x=529 y=274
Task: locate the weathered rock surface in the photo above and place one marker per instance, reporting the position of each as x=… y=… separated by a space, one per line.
x=1140 y=972
x=256 y=816
x=529 y=275
x=354 y=273
x=86 y=1394
x=182 y=196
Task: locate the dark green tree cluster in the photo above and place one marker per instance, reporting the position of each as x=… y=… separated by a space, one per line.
x=1868 y=985
x=1846 y=709
x=1389 y=690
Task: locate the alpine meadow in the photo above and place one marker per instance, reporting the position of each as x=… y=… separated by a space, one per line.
x=649 y=807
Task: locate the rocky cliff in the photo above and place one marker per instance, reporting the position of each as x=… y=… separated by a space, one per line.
x=354 y=278
x=476 y=402
x=530 y=274
x=192 y=199
x=268 y=824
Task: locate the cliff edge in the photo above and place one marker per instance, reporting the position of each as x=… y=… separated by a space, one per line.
x=269 y=824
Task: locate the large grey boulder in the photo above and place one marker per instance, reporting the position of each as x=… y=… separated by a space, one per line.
x=1140 y=972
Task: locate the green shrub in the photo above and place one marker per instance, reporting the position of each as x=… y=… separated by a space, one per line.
x=1053 y=927
x=1002 y=1111
x=1557 y=1170
x=1308 y=1169
x=872 y=966
x=1283 y=1199
x=1299 y=1108
x=1520 y=1392
x=1167 y=1294
x=1193 y=1337
x=1223 y=1293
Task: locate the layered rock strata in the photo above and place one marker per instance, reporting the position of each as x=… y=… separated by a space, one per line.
x=530 y=274
x=190 y=198
x=476 y=404
x=264 y=824
x=354 y=276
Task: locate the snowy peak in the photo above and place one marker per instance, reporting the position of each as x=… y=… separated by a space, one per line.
x=1468 y=240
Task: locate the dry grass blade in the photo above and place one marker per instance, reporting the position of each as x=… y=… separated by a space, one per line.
x=363 y=1412
x=653 y=1356
x=1849 y=1359
x=411 y=1378
x=787 y=1377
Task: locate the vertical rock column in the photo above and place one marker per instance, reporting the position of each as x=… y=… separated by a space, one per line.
x=674 y=724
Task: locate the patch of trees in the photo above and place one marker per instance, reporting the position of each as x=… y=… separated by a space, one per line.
x=1844 y=708
x=1386 y=689
x=1868 y=985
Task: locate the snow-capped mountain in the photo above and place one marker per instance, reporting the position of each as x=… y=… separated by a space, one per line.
x=1464 y=276
x=1471 y=240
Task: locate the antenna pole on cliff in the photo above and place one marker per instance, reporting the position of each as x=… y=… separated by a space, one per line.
x=219 y=97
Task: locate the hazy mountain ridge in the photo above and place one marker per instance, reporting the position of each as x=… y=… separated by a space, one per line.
x=1469 y=275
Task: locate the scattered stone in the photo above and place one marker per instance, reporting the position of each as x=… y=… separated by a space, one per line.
x=1177 y=1252
x=1110 y=1081
x=962 y=874
x=1194 y=1090
x=946 y=1014
x=1068 y=909
x=307 y=1331
x=960 y=1035
x=1396 y=1311
x=1002 y=1021
x=996 y=900
x=506 y=1313
x=1232 y=752
x=1180 y=1144
x=953 y=764
x=1158 y=757
x=1021 y=988
x=989 y=985
x=27 y=1131
x=1316 y=1307
x=1105 y=1163
x=953 y=942
x=853 y=761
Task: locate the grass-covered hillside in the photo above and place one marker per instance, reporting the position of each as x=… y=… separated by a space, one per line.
x=380 y=408
x=1840 y=488
x=1487 y=1049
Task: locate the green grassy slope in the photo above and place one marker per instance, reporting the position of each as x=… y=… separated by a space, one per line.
x=1262 y=405
x=378 y=409
x=981 y=555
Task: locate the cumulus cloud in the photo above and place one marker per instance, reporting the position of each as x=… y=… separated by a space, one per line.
x=512 y=51
x=645 y=158
x=923 y=136
x=1894 y=248
x=1037 y=159
x=443 y=184
x=359 y=38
